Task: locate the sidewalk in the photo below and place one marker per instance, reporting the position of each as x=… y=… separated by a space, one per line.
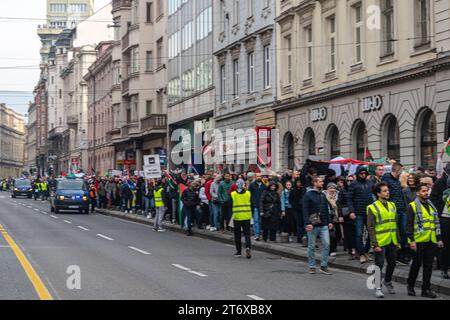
x=293 y=251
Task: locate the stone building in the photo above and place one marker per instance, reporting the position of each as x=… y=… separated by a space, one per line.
x=12 y=142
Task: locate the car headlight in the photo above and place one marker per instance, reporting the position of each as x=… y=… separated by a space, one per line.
x=30 y=189
x=61 y=198
x=85 y=198
x=15 y=189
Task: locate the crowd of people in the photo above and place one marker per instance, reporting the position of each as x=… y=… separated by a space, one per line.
x=395 y=217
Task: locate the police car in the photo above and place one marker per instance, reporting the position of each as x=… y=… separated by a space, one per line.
x=70 y=194
x=21 y=187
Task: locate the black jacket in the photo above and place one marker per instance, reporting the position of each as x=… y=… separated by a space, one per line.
x=190 y=197
x=436 y=193
x=359 y=196
x=256 y=191
x=296 y=198
x=315 y=202
x=395 y=192
x=270 y=202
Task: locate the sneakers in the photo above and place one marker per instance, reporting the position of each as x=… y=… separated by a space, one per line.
x=379 y=294
x=428 y=294
x=312 y=270
x=411 y=291
x=257 y=238
x=363 y=259
x=160 y=229
x=325 y=270
x=212 y=229
x=208 y=227
x=389 y=287
x=155 y=229
x=238 y=255
x=248 y=253
x=333 y=254
x=173 y=221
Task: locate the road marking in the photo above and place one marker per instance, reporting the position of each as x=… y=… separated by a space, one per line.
x=44 y=212
x=36 y=209
x=198 y=273
x=104 y=237
x=189 y=270
x=54 y=217
x=29 y=207
x=37 y=283
x=67 y=221
x=139 y=250
x=83 y=228
x=252 y=296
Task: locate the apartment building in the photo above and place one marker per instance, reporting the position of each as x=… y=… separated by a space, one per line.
x=363 y=75
x=30 y=161
x=139 y=82
x=189 y=61
x=245 y=74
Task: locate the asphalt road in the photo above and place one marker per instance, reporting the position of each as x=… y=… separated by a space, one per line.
x=119 y=259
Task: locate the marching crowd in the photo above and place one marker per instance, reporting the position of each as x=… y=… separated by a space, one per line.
x=397 y=217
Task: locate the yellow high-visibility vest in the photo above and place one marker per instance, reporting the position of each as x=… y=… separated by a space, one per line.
x=386 y=223
x=157 y=194
x=242 y=206
x=429 y=227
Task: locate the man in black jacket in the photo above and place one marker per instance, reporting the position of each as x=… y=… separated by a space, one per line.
x=359 y=197
x=396 y=196
x=315 y=205
x=191 y=200
x=256 y=189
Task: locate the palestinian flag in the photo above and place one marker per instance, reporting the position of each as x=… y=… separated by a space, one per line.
x=367 y=155
x=447 y=147
x=181 y=188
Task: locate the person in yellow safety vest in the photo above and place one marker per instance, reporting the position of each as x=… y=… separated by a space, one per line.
x=424 y=237
x=160 y=206
x=384 y=235
x=241 y=207
x=4 y=185
x=44 y=189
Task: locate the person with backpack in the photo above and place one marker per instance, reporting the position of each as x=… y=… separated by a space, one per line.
x=127 y=195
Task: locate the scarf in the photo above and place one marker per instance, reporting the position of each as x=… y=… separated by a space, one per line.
x=419 y=216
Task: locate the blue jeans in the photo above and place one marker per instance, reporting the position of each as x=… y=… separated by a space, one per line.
x=256 y=222
x=324 y=235
x=214 y=215
x=149 y=203
x=401 y=222
x=189 y=213
x=360 y=222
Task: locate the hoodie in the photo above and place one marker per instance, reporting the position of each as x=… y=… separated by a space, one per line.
x=315 y=202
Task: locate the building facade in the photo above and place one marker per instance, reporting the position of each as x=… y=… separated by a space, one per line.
x=30 y=164
x=245 y=69
x=139 y=82
x=189 y=60
x=350 y=82
x=100 y=115
x=12 y=143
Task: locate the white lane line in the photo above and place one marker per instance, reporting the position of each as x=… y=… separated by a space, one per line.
x=252 y=296
x=29 y=207
x=54 y=217
x=36 y=209
x=139 y=250
x=44 y=212
x=198 y=273
x=181 y=267
x=83 y=228
x=67 y=221
x=104 y=237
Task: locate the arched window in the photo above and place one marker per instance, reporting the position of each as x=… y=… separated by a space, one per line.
x=391 y=138
x=360 y=140
x=447 y=127
x=427 y=138
x=310 y=142
x=333 y=145
x=289 y=153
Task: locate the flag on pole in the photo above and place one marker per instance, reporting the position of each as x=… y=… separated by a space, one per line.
x=447 y=147
x=367 y=155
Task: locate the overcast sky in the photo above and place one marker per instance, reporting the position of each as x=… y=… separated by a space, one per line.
x=20 y=43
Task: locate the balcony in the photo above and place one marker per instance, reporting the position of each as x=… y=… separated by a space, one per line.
x=117 y=4
x=125 y=86
x=154 y=122
x=72 y=120
x=114 y=134
x=130 y=129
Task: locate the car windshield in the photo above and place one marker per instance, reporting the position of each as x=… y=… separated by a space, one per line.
x=71 y=185
x=22 y=183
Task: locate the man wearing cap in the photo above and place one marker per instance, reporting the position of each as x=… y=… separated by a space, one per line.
x=242 y=214
x=359 y=197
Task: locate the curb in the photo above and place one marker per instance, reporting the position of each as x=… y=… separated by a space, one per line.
x=438 y=284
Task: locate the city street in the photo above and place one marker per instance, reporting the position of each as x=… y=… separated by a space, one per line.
x=126 y=260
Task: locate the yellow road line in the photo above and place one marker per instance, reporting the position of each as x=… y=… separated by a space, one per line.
x=37 y=283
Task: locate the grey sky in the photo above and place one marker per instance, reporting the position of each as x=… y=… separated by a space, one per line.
x=20 y=43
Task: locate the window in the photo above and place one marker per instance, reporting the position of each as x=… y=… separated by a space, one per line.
x=148 y=107
x=289 y=59
x=387 y=27
x=135 y=60
x=251 y=72
x=422 y=20
x=332 y=42
x=204 y=23
x=249 y=8
x=236 y=12
x=159 y=53
x=309 y=51
x=161 y=8
x=135 y=12
x=223 y=80
x=357 y=32
x=266 y=67
x=116 y=28
x=149 y=61
x=236 y=78
x=149 y=12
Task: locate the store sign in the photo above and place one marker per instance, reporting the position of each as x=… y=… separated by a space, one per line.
x=319 y=114
x=373 y=103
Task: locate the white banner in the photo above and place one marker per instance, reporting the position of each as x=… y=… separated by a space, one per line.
x=152 y=167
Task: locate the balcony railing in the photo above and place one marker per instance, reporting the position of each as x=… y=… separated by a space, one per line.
x=121 y=3
x=130 y=128
x=154 y=122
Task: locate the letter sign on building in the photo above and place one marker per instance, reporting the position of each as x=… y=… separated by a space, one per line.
x=373 y=103
x=318 y=114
